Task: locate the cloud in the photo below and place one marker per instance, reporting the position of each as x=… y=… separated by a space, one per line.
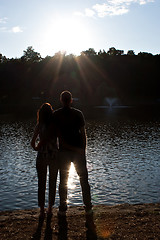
x=3 y=27
x=3 y=20
x=117 y=7
x=16 y=29
x=105 y=9
x=89 y=12
x=79 y=14
x=112 y=8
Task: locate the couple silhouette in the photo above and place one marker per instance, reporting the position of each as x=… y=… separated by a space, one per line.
x=62 y=140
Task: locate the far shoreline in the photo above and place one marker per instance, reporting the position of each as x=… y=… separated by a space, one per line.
x=125 y=111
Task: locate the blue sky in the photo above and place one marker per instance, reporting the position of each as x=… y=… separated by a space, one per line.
x=51 y=26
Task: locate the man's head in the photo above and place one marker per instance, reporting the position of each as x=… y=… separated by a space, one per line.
x=66 y=98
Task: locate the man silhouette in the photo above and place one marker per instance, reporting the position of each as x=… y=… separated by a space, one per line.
x=70 y=124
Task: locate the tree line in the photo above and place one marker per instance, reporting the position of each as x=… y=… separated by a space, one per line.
x=91 y=77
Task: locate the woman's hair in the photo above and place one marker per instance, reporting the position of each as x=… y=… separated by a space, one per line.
x=44 y=114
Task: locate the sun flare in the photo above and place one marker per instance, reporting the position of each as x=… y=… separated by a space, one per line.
x=66 y=34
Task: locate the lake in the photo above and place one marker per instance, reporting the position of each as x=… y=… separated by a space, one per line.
x=123 y=159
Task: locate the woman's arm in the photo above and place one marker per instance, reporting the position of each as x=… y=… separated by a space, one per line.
x=84 y=138
x=35 y=135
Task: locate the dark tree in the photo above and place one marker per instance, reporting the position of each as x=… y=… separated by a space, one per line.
x=130 y=53
x=113 y=52
x=31 y=56
x=89 y=52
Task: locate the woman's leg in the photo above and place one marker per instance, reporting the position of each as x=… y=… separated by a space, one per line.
x=42 y=174
x=53 y=171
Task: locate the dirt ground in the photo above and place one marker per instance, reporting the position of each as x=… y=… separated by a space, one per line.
x=118 y=222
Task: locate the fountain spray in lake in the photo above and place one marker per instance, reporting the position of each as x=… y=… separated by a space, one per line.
x=110 y=101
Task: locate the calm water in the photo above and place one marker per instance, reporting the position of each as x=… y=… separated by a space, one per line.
x=123 y=163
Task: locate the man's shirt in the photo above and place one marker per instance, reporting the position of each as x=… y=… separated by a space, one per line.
x=68 y=122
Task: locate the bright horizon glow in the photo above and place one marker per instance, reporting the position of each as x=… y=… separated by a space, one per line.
x=66 y=35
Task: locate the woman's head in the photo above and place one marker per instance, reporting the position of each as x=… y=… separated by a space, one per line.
x=44 y=114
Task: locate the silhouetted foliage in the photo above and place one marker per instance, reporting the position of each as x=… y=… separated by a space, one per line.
x=91 y=77
x=114 y=52
x=90 y=52
x=130 y=53
x=31 y=55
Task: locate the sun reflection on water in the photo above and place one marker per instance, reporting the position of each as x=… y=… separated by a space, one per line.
x=72 y=177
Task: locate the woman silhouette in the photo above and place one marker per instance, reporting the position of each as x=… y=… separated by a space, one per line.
x=46 y=157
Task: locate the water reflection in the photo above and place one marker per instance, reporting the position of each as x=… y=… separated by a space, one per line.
x=72 y=177
x=122 y=159
x=128 y=160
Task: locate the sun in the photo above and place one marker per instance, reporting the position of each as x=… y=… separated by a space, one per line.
x=66 y=34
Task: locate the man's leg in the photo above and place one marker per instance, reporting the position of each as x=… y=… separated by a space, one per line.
x=81 y=168
x=64 y=159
